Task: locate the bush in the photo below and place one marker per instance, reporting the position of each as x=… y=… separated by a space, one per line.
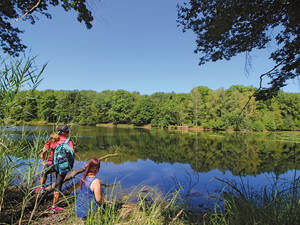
x=288 y=123
x=258 y=126
x=220 y=124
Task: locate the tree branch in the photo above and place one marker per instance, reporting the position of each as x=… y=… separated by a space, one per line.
x=73 y=173
x=270 y=71
x=259 y=88
x=33 y=8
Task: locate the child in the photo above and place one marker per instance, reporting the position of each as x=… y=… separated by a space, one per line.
x=89 y=194
x=56 y=139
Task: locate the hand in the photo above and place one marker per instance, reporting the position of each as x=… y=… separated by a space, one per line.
x=44 y=164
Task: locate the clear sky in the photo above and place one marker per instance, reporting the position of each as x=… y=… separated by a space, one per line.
x=134 y=45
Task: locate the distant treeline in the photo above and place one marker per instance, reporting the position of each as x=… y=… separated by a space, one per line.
x=212 y=109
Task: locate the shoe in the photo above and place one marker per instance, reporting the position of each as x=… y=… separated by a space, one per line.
x=40 y=190
x=56 y=209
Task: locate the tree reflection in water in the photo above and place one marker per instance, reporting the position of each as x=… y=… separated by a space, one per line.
x=170 y=159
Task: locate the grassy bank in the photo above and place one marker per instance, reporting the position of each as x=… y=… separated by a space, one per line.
x=259 y=208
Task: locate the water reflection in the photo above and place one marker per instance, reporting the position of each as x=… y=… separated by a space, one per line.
x=169 y=160
x=241 y=153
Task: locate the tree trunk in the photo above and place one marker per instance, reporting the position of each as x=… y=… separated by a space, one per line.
x=73 y=173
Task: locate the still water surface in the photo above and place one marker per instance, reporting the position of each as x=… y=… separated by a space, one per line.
x=171 y=159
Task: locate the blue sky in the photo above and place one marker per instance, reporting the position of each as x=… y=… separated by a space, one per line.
x=134 y=45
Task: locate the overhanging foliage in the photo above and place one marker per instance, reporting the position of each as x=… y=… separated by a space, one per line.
x=226 y=28
x=27 y=10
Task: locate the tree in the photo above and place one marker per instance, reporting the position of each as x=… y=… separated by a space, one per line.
x=142 y=111
x=225 y=28
x=122 y=103
x=88 y=111
x=62 y=110
x=103 y=103
x=163 y=111
x=14 y=10
x=180 y=108
x=47 y=104
x=199 y=96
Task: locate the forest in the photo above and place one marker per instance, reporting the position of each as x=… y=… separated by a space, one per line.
x=202 y=107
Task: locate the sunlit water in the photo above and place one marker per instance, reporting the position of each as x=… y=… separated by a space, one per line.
x=194 y=162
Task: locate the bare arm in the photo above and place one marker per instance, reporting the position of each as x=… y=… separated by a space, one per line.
x=96 y=188
x=70 y=143
x=43 y=150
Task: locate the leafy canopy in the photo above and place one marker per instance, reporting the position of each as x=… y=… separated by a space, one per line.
x=27 y=10
x=225 y=28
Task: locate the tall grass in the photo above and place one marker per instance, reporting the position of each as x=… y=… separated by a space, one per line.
x=15 y=74
x=6 y=171
x=141 y=206
x=19 y=169
x=269 y=206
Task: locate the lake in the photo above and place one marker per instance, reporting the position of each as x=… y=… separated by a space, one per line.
x=168 y=160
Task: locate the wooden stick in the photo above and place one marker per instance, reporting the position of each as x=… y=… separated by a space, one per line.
x=73 y=173
x=176 y=217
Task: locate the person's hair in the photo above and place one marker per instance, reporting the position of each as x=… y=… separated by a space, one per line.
x=93 y=166
x=63 y=129
x=54 y=137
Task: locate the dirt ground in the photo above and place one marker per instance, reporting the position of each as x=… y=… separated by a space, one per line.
x=36 y=210
x=64 y=217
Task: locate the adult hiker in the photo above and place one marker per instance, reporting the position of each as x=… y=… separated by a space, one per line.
x=89 y=194
x=53 y=145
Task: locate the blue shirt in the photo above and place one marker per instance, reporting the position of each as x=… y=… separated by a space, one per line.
x=85 y=198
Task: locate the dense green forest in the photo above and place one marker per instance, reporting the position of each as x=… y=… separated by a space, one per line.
x=212 y=109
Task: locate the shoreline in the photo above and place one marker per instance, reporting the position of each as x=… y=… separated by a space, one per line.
x=148 y=127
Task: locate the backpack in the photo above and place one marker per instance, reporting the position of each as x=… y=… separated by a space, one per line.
x=63 y=158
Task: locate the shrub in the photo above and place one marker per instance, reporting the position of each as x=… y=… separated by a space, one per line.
x=258 y=126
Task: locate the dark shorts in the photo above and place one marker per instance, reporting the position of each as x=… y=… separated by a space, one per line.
x=48 y=169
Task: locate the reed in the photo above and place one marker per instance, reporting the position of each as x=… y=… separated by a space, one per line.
x=273 y=205
x=19 y=169
x=141 y=206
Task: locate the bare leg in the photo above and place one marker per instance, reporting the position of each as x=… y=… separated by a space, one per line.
x=55 y=198
x=58 y=184
x=43 y=180
x=41 y=189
